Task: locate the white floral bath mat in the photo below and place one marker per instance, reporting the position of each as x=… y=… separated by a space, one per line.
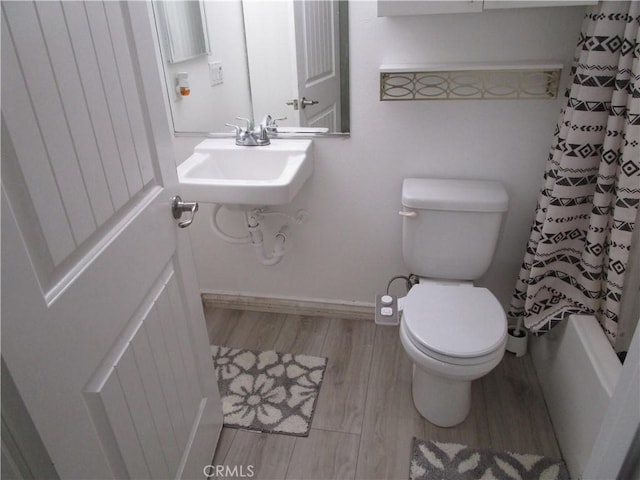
x=452 y=461
x=268 y=391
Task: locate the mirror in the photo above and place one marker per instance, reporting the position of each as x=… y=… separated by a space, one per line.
x=182 y=30
x=224 y=59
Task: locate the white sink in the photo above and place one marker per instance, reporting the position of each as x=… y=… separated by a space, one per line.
x=219 y=171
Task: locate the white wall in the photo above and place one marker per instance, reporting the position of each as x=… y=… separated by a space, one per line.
x=351 y=246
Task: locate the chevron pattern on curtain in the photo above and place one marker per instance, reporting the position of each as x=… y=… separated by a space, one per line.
x=577 y=254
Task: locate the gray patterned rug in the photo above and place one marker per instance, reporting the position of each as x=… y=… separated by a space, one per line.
x=268 y=391
x=452 y=461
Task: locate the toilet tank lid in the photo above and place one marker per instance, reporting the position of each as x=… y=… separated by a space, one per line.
x=454 y=194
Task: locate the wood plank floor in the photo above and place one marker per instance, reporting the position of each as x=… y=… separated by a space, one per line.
x=365 y=418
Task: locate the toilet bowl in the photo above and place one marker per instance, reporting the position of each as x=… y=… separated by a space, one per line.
x=454 y=334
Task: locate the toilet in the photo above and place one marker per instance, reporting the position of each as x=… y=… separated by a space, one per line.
x=453 y=331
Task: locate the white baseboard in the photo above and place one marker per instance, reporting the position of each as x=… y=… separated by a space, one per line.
x=317 y=308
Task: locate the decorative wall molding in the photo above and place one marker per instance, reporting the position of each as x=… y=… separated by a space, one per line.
x=469 y=81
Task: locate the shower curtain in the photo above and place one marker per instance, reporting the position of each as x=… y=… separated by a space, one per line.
x=577 y=254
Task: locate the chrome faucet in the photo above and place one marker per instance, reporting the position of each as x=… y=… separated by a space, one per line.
x=269 y=124
x=250 y=136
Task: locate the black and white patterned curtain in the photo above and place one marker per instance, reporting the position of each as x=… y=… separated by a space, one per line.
x=577 y=255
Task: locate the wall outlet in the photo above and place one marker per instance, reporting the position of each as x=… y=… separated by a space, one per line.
x=215 y=73
x=387 y=310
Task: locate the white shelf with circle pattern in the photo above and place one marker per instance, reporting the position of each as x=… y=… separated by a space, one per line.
x=472 y=81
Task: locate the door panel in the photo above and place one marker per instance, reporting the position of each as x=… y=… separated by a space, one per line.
x=147 y=385
x=103 y=331
x=66 y=174
x=318 y=62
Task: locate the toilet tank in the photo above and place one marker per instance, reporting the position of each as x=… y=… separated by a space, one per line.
x=450 y=227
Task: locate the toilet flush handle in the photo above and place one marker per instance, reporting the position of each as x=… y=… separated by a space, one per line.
x=407 y=214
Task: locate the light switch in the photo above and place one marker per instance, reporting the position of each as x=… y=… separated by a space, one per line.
x=215 y=73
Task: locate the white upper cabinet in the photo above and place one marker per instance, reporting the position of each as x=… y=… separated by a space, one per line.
x=390 y=8
x=493 y=4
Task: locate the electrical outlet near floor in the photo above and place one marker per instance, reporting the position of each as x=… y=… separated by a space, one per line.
x=386 y=310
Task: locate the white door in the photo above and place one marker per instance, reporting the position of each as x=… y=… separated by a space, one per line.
x=318 y=63
x=102 y=327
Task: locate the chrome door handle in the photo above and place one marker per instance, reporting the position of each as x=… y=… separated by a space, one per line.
x=410 y=214
x=305 y=103
x=178 y=206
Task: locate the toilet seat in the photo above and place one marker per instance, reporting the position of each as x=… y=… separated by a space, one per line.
x=455 y=324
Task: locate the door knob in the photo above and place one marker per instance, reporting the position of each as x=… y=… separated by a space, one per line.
x=293 y=103
x=178 y=207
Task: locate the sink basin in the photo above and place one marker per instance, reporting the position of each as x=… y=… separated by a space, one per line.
x=219 y=171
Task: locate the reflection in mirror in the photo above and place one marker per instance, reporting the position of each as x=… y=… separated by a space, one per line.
x=285 y=58
x=182 y=30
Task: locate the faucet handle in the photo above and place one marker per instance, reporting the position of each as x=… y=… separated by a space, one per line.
x=269 y=125
x=247 y=137
x=250 y=125
x=269 y=121
x=236 y=127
